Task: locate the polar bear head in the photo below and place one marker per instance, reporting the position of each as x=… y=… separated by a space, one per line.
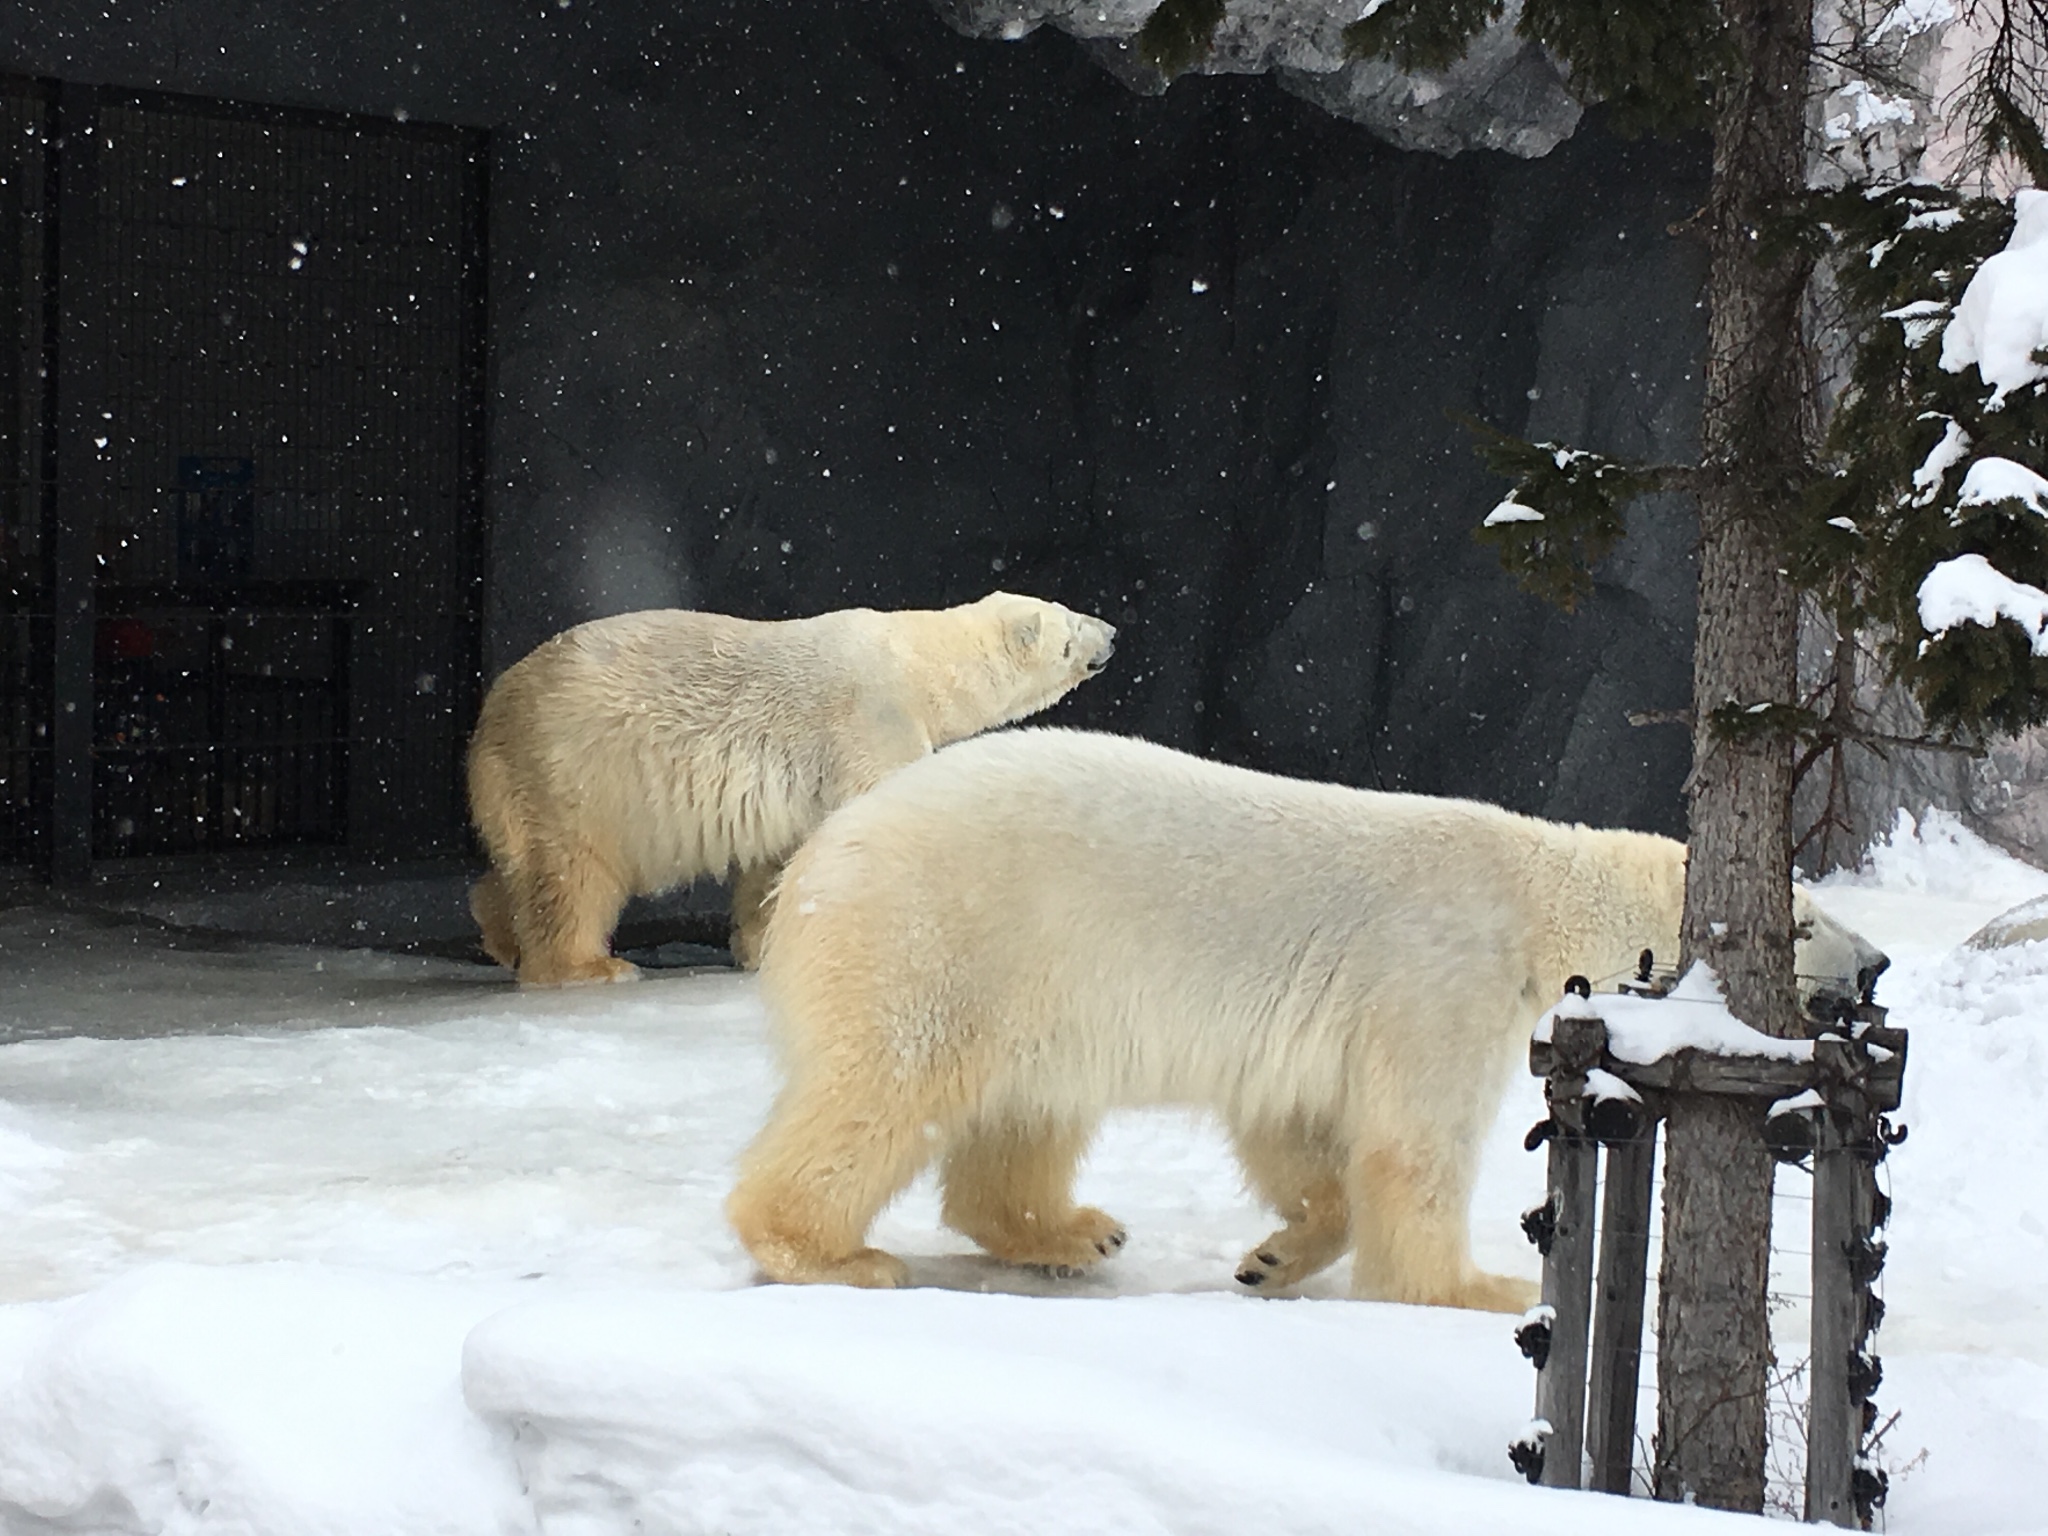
x=1836 y=966
x=1037 y=652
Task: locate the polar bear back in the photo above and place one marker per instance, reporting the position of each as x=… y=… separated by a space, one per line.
x=641 y=721
x=668 y=744
x=1170 y=929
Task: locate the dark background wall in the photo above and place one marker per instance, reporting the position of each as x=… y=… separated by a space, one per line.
x=800 y=305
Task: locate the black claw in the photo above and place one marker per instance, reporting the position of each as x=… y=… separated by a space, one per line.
x=1116 y=1238
x=1250 y=1276
x=1270 y=1260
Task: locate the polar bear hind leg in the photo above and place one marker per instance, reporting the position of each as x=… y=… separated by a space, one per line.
x=492 y=909
x=565 y=903
x=1410 y=1243
x=1009 y=1186
x=1300 y=1173
x=832 y=1154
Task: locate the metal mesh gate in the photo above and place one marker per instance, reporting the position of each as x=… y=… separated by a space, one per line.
x=269 y=453
x=24 y=595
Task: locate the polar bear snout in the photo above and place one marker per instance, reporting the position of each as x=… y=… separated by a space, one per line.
x=1838 y=968
x=1096 y=642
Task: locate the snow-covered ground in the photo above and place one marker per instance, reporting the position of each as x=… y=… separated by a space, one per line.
x=363 y=1244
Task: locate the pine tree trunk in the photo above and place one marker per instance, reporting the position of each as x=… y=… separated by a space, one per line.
x=1713 y=1328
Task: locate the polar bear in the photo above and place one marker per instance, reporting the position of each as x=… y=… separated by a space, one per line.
x=1001 y=943
x=631 y=754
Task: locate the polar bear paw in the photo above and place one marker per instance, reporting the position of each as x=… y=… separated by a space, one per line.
x=1092 y=1236
x=1288 y=1257
x=870 y=1269
x=581 y=973
x=1497 y=1293
x=1065 y=1250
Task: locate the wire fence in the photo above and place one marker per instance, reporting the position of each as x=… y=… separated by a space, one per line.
x=1789 y=1299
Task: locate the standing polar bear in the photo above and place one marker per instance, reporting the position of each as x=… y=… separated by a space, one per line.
x=629 y=755
x=1020 y=933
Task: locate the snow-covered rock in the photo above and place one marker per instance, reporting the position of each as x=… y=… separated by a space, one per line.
x=2026 y=923
x=1504 y=94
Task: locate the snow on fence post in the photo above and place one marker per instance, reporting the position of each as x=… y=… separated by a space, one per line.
x=1565 y=1222
x=1857 y=1079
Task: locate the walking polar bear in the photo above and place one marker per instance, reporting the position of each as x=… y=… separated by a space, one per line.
x=1006 y=940
x=631 y=754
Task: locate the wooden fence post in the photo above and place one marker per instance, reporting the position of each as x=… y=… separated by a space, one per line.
x=1832 y=1435
x=1858 y=1078
x=1579 y=1045
x=1618 y=1326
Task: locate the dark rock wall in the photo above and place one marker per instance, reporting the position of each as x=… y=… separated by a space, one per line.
x=813 y=304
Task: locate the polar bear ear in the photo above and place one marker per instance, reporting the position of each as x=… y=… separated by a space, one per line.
x=1024 y=634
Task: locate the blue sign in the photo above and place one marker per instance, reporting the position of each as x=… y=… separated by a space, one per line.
x=216 y=518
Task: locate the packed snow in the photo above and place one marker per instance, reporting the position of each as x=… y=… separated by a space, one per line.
x=461 y=1268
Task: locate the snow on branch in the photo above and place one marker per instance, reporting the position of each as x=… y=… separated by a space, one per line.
x=2001 y=322
x=1971 y=590
x=1992 y=480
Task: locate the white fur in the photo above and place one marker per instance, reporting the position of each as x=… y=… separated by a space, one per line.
x=631 y=754
x=1003 y=942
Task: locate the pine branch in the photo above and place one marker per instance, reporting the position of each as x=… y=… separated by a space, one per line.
x=1567 y=509
x=1420 y=34
x=2011 y=130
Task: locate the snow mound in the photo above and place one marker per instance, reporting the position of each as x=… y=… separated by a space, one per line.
x=780 y=1410
x=1934 y=854
x=279 y=1398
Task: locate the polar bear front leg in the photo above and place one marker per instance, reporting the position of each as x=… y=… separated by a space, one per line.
x=751 y=909
x=1009 y=1186
x=1301 y=1175
x=565 y=904
x=1409 y=1212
